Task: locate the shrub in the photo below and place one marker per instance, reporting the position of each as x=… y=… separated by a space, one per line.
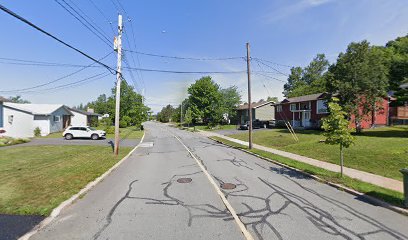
x=37 y=132
x=109 y=130
x=123 y=123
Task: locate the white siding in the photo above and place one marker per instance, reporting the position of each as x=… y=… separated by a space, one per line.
x=78 y=119
x=21 y=126
x=43 y=122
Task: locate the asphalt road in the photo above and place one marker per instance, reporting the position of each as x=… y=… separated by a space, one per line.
x=143 y=199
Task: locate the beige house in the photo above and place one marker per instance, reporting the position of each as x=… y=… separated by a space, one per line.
x=262 y=110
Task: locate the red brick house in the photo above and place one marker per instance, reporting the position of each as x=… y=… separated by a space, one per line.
x=307 y=112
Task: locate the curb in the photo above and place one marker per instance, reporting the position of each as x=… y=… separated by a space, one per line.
x=370 y=199
x=75 y=197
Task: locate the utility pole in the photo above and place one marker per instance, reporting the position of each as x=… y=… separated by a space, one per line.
x=118 y=46
x=249 y=96
x=181 y=113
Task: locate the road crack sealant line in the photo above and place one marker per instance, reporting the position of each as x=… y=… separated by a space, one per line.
x=56 y=212
x=240 y=224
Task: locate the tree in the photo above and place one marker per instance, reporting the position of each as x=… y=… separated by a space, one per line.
x=231 y=99
x=205 y=100
x=397 y=51
x=132 y=109
x=18 y=99
x=308 y=80
x=165 y=114
x=188 y=118
x=337 y=130
x=272 y=99
x=360 y=79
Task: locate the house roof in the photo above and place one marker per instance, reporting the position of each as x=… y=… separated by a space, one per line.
x=305 y=98
x=255 y=104
x=36 y=109
x=84 y=112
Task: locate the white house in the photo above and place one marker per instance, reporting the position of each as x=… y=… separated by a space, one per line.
x=19 y=119
x=83 y=118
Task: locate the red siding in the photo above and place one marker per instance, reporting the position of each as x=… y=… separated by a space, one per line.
x=381 y=115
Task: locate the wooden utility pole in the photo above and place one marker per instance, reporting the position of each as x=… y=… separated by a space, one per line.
x=181 y=113
x=249 y=97
x=118 y=46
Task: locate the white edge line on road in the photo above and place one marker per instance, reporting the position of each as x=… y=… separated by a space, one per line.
x=72 y=199
x=241 y=226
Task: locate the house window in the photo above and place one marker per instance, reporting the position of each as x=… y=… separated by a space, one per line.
x=321 y=106
x=293 y=107
x=10 y=119
x=57 y=118
x=279 y=108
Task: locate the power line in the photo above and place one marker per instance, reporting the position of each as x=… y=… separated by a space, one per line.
x=72 y=84
x=15 y=15
x=132 y=77
x=86 y=24
x=56 y=80
x=265 y=75
x=184 y=58
x=133 y=60
x=92 y=22
x=13 y=61
x=184 y=72
x=275 y=63
x=135 y=48
x=276 y=70
x=103 y=15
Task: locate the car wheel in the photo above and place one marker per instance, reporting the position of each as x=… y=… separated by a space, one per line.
x=68 y=136
x=95 y=137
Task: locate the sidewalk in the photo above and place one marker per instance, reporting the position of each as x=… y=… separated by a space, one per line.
x=353 y=173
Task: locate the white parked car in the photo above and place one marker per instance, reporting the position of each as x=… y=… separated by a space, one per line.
x=83 y=132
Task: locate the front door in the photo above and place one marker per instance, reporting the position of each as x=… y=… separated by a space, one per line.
x=305 y=119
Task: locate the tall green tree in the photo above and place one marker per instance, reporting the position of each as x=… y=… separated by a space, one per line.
x=308 y=80
x=231 y=98
x=165 y=115
x=360 y=79
x=337 y=130
x=188 y=117
x=132 y=109
x=205 y=100
x=398 y=67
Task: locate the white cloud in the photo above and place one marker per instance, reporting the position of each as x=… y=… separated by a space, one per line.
x=293 y=9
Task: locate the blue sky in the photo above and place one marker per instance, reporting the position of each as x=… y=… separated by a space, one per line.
x=289 y=32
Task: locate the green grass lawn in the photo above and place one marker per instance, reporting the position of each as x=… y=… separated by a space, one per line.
x=125 y=133
x=382 y=151
x=218 y=127
x=34 y=180
x=384 y=194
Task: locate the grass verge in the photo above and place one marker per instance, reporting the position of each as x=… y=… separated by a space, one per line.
x=389 y=196
x=35 y=180
x=382 y=151
x=125 y=133
x=8 y=141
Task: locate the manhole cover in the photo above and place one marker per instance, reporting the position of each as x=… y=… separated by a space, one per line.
x=228 y=186
x=184 y=180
